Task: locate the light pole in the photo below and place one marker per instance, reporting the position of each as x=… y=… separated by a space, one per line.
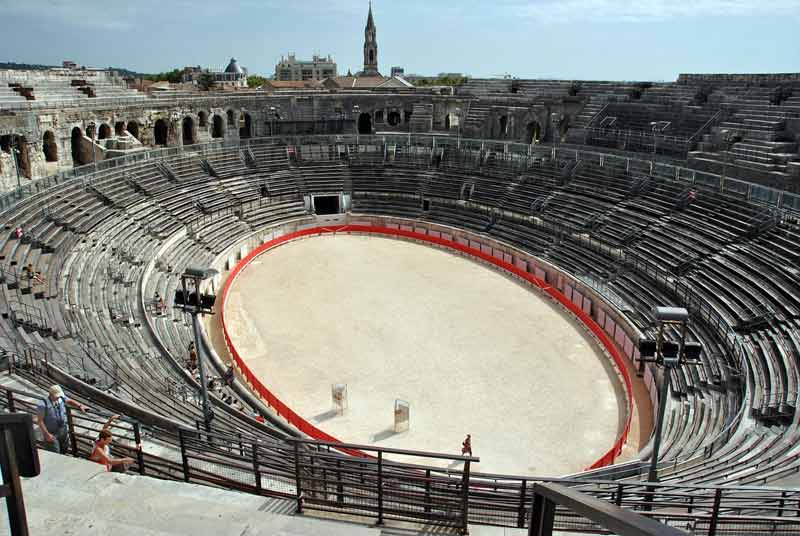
x=17 y=154
x=191 y=300
x=728 y=136
x=669 y=355
x=356 y=114
x=274 y=113
x=654 y=128
x=555 y=120
x=458 y=118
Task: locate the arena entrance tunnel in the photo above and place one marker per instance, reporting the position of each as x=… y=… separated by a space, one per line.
x=306 y=422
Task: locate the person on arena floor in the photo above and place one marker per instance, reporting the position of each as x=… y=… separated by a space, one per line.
x=101 y=454
x=51 y=415
x=466 y=445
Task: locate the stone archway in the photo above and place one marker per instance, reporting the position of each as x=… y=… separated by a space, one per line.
x=394 y=118
x=365 y=123
x=189 y=134
x=119 y=128
x=104 y=132
x=218 y=127
x=202 y=119
x=133 y=129
x=533 y=132
x=76 y=146
x=230 y=117
x=91 y=130
x=503 y=127
x=50 y=147
x=160 y=132
x=245 y=125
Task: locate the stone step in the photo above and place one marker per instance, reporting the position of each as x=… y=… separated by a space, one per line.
x=74 y=496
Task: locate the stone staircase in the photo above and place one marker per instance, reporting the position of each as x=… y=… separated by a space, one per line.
x=476 y=117
x=422 y=118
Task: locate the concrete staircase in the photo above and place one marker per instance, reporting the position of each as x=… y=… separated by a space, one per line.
x=422 y=118
x=476 y=117
x=76 y=497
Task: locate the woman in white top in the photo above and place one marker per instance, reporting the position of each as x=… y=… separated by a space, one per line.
x=101 y=453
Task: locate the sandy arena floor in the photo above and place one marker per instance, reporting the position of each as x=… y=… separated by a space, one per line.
x=471 y=350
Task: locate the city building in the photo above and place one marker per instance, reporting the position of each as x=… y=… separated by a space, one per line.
x=292 y=69
x=234 y=75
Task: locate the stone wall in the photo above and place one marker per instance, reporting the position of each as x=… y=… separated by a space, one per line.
x=132 y=121
x=750 y=79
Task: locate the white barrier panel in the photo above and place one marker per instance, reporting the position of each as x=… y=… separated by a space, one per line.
x=587 y=306
x=540 y=273
x=507 y=257
x=610 y=326
x=521 y=264
x=577 y=298
x=435 y=234
x=601 y=317
x=420 y=230
x=568 y=291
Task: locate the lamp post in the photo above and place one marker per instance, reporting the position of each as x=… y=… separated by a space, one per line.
x=274 y=113
x=17 y=154
x=356 y=114
x=654 y=128
x=669 y=355
x=191 y=300
x=458 y=118
x=728 y=136
x=555 y=120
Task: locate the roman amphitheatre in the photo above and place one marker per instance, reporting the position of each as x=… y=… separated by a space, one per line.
x=595 y=280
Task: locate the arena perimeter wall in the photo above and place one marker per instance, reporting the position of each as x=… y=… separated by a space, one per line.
x=577 y=305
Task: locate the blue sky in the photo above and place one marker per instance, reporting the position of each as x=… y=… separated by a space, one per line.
x=582 y=39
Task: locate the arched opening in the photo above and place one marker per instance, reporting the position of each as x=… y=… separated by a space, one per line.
x=202 y=119
x=451 y=120
x=104 y=132
x=90 y=131
x=22 y=156
x=245 y=125
x=218 y=129
x=503 y=127
x=393 y=118
x=119 y=128
x=372 y=56
x=534 y=132
x=188 y=131
x=133 y=129
x=230 y=117
x=160 y=132
x=50 y=147
x=76 y=142
x=364 y=124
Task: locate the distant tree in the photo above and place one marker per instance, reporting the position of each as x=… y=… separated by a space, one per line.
x=206 y=81
x=173 y=76
x=256 y=81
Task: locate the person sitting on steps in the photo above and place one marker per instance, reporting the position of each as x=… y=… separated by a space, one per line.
x=101 y=453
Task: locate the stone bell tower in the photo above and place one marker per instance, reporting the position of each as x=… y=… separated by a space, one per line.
x=370 y=47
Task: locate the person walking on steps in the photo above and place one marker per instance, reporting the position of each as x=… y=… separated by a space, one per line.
x=51 y=415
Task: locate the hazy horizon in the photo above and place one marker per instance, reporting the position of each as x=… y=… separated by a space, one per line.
x=561 y=39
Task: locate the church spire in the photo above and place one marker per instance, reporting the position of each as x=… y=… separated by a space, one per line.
x=370 y=46
x=370 y=20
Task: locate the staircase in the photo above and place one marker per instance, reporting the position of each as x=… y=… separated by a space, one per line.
x=422 y=118
x=75 y=496
x=590 y=111
x=476 y=118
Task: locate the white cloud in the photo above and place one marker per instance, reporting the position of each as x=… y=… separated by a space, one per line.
x=648 y=10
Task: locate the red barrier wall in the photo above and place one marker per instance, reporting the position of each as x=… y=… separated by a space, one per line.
x=312 y=431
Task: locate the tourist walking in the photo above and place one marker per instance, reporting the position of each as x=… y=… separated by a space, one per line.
x=51 y=415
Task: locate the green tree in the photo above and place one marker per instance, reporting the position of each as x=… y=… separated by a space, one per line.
x=206 y=81
x=256 y=81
